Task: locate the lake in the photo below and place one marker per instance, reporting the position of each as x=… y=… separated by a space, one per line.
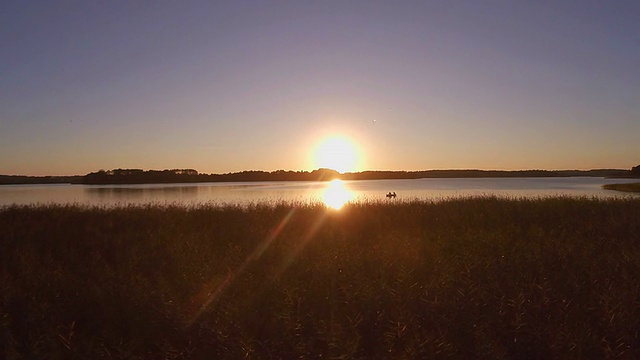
x=331 y=193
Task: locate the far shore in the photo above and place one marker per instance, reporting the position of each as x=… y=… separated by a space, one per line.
x=139 y=176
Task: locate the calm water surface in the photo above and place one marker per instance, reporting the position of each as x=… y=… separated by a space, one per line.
x=331 y=193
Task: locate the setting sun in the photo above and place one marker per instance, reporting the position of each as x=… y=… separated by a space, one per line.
x=337 y=153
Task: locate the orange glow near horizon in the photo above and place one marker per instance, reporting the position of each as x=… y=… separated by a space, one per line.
x=338 y=153
x=336 y=194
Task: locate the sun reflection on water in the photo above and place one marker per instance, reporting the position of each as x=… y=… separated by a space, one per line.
x=336 y=194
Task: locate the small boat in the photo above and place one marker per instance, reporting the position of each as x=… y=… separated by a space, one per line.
x=391 y=194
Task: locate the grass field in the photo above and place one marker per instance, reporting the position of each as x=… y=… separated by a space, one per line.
x=466 y=278
x=632 y=187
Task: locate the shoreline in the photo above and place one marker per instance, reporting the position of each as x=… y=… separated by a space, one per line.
x=147 y=177
x=626 y=187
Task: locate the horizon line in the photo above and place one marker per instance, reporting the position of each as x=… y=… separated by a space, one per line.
x=329 y=169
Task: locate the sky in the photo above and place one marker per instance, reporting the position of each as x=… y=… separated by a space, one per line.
x=226 y=86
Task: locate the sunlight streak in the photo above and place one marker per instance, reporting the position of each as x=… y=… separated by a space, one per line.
x=212 y=291
x=310 y=234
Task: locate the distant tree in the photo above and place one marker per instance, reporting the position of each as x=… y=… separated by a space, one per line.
x=635 y=171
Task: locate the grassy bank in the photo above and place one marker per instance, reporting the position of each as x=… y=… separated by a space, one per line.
x=632 y=187
x=467 y=278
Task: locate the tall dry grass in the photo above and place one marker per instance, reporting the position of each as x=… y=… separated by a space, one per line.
x=464 y=278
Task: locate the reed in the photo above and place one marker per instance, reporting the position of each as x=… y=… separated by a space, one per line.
x=629 y=187
x=463 y=278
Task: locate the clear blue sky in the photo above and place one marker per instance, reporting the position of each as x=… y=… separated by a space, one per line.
x=236 y=85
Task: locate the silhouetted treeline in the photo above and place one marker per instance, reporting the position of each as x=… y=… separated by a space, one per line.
x=139 y=176
x=378 y=175
x=21 y=179
x=279 y=175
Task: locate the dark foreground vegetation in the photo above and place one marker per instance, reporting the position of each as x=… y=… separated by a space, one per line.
x=471 y=278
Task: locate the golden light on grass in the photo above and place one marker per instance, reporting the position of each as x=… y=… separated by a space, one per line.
x=338 y=153
x=336 y=194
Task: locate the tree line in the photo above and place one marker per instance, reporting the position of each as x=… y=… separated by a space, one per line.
x=140 y=176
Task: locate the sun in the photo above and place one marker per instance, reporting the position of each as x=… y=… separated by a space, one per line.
x=337 y=153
